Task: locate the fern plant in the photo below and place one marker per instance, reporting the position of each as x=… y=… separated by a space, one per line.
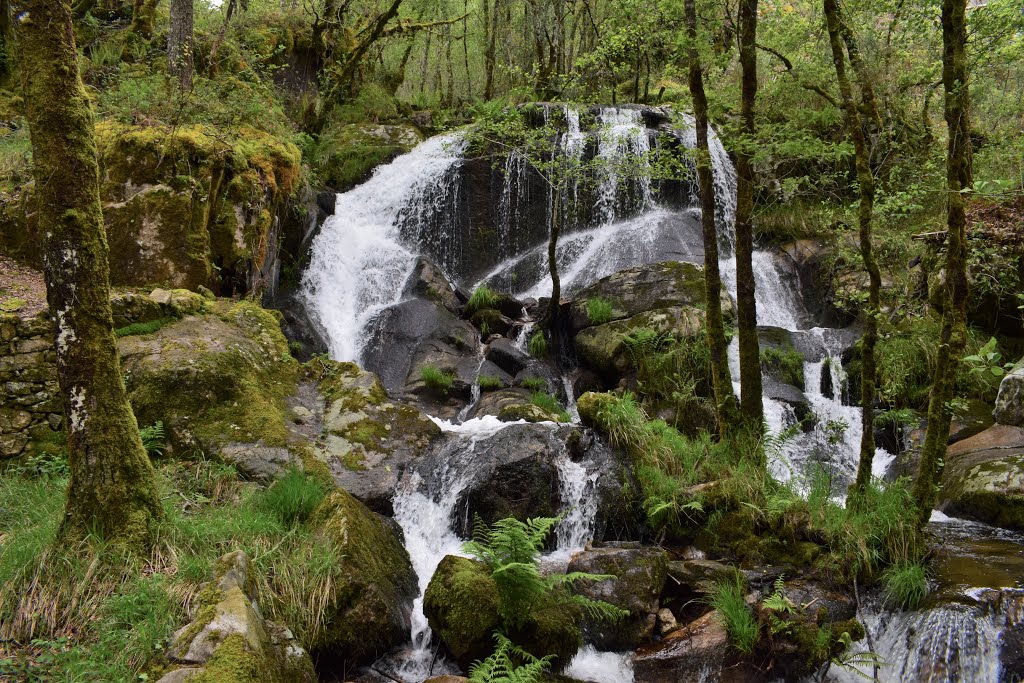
x=502 y=666
x=511 y=550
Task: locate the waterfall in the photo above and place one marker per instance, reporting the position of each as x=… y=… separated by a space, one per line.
x=360 y=262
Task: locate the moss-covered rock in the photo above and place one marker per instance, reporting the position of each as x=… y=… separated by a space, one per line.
x=984 y=477
x=461 y=604
x=351 y=151
x=368 y=441
x=368 y=609
x=213 y=379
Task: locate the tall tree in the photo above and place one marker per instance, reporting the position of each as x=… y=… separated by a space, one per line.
x=959 y=179
x=179 y=42
x=866 y=183
x=144 y=17
x=751 y=406
x=725 y=398
x=5 y=39
x=112 y=486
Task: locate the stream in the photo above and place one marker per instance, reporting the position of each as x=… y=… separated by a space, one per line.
x=413 y=206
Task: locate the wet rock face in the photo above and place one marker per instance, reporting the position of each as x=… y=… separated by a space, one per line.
x=984 y=477
x=1009 y=408
x=639 y=578
x=695 y=652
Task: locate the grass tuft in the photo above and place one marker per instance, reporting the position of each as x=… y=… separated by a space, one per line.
x=906 y=584
x=293 y=497
x=727 y=599
x=139 y=329
x=437 y=380
x=599 y=310
x=481 y=298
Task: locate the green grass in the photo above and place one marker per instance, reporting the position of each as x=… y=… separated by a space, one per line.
x=599 y=310
x=437 y=380
x=481 y=298
x=489 y=382
x=728 y=600
x=786 y=364
x=138 y=329
x=538 y=345
x=535 y=384
x=293 y=497
x=550 y=404
x=906 y=584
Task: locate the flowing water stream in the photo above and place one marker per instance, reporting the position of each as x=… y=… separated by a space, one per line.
x=365 y=253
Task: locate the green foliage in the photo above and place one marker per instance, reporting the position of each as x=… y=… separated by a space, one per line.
x=139 y=329
x=489 y=382
x=481 y=298
x=728 y=599
x=987 y=360
x=550 y=404
x=538 y=345
x=45 y=464
x=438 y=381
x=599 y=310
x=153 y=439
x=906 y=584
x=784 y=363
x=293 y=497
x=535 y=384
x=511 y=550
x=503 y=666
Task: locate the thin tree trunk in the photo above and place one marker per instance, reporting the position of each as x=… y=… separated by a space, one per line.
x=179 y=43
x=553 y=317
x=112 y=487
x=725 y=399
x=220 y=36
x=751 y=405
x=144 y=17
x=6 y=44
x=866 y=181
x=959 y=179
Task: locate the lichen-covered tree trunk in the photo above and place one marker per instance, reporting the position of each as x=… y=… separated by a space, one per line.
x=866 y=181
x=959 y=179
x=751 y=406
x=725 y=398
x=112 y=486
x=144 y=17
x=6 y=47
x=179 y=43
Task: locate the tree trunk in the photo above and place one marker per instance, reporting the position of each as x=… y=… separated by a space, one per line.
x=220 y=36
x=552 y=318
x=179 y=43
x=866 y=181
x=751 y=406
x=6 y=45
x=144 y=17
x=959 y=179
x=112 y=486
x=725 y=399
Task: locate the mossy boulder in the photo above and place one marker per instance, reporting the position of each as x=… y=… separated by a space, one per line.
x=984 y=477
x=605 y=349
x=639 y=579
x=215 y=379
x=367 y=440
x=350 y=151
x=1009 y=409
x=368 y=608
x=461 y=605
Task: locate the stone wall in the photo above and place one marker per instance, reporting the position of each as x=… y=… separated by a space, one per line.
x=30 y=403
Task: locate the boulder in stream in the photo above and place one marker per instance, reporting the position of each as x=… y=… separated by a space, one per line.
x=1009 y=408
x=984 y=477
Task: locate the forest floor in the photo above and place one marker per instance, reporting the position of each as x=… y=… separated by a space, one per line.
x=22 y=289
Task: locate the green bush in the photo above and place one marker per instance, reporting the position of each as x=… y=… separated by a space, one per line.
x=538 y=345
x=293 y=497
x=550 y=404
x=438 y=381
x=535 y=384
x=599 y=310
x=906 y=584
x=481 y=298
x=728 y=599
x=489 y=382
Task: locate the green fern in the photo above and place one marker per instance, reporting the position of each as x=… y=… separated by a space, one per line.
x=502 y=666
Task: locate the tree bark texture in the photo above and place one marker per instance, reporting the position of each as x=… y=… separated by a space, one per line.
x=751 y=405
x=959 y=179
x=112 y=489
x=179 y=43
x=725 y=399
x=866 y=182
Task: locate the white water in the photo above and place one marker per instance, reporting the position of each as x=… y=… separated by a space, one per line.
x=360 y=264
x=594 y=666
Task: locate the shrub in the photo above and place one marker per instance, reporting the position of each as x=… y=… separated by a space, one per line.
x=727 y=599
x=438 y=381
x=599 y=310
x=538 y=345
x=535 y=384
x=481 y=298
x=784 y=363
x=293 y=497
x=906 y=584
